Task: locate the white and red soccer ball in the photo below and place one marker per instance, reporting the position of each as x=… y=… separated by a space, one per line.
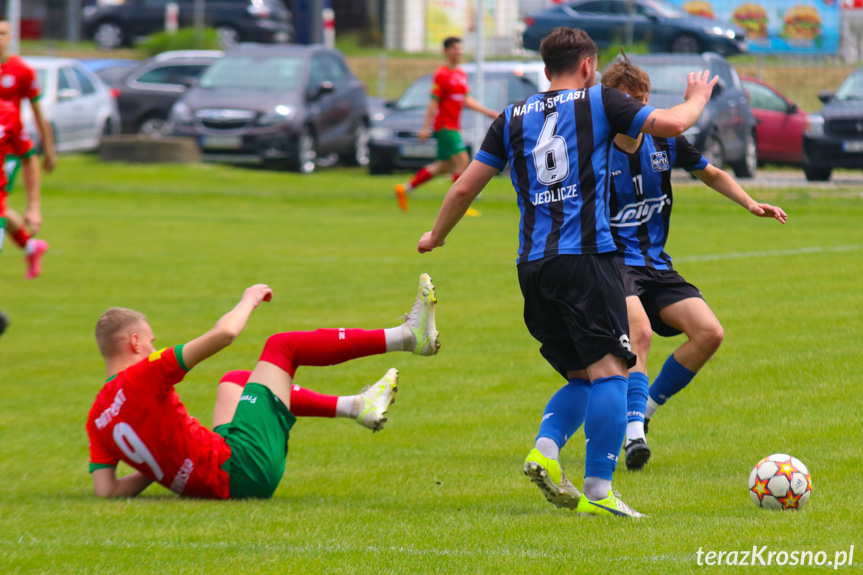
x=780 y=482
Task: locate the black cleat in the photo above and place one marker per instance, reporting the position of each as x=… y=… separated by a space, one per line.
x=637 y=454
x=4 y=322
x=646 y=421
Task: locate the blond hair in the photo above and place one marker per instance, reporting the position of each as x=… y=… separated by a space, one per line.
x=626 y=76
x=112 y=326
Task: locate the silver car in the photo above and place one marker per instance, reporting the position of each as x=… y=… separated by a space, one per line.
x=79 y=106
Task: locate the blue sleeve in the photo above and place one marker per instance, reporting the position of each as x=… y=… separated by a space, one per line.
x=626 y=115
x=493 y=150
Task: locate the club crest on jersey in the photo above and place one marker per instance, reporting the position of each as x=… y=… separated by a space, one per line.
x=659 y=161
x=7 y=81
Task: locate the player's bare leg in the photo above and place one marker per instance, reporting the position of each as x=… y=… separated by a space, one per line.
x=693 y=317
x=34 y=248
x=640 y=336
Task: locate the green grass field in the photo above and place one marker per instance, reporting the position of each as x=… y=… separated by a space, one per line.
x=440 y=490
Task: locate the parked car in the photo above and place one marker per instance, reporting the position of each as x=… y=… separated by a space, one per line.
x=779 y=133
x=726 y=131
x=79 y=106
x=662 y=26
x=286 y=104
x=147 y=94
x=110 y=70
x=835 y=135
x=112 y=23
x=393 y=140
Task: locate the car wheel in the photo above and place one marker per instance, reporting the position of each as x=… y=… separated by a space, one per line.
x=685 y=44
x=379 y=164
x=746 y=168
x=713 y=151
x=109 y=36
x=816 y=174
x=304 y=161
x=359 y=155
x=154 y=128
x=228 y=36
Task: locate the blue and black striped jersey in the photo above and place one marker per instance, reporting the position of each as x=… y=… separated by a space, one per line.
x=641 y=197
x=557 y=144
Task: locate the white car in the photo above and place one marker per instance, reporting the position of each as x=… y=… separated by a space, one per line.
x=79 y=106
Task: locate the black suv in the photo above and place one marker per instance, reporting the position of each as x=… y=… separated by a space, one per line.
x=834 y=138
x=298 y=106
x=725 y=132
x=114 y=24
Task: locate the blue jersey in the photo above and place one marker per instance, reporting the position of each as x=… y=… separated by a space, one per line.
x=641 y=197
x=557 y=144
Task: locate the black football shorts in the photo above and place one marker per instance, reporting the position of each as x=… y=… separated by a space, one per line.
x=657 y=289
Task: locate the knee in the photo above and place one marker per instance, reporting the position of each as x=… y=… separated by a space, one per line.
x=641 y=335
x=710 y=338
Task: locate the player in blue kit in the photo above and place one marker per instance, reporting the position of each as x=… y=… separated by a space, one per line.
x=658 y=299
x=557 y=144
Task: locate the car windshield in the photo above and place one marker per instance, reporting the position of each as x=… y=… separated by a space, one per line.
x=851 y=88
x=255 y=72
x=501 y=89
x=668 y=78
x=665 y=9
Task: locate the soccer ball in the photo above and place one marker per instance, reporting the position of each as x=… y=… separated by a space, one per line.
x=780 y=482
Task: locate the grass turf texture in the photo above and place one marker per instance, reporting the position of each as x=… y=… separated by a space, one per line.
x=441 y=489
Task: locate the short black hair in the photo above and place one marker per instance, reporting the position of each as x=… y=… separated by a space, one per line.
x=450 y=41
x=564 y=49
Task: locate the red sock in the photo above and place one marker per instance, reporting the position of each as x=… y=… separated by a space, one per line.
x=455 y=176
x=21 y=237
x=422 y=176
x=321 y=347
x=238 y=376
x=308 y=403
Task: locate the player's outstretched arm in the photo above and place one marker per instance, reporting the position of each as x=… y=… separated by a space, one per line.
x=431 y=112
x=474 y=105
x=723 y=183
x=674 y=121
x=455 y=204
x=33 y=187
x=106 y=484
x=228 y=328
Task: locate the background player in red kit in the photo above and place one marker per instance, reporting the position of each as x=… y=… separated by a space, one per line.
x=449 y=95
x=138 y=418
x=15 y=140
x=18 y=81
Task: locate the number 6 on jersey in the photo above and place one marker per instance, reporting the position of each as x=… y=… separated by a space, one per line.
x=550 y=156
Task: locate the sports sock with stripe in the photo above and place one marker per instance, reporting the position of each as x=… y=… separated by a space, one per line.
x=605 y=426
x=636 y=405
x=673 y=378
x=564 y=414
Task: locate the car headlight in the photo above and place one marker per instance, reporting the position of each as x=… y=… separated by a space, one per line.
x=181 y=114
x=381 y=133
x=278 y=115
x=715 y=31
x=692 y=134
x=815 y=125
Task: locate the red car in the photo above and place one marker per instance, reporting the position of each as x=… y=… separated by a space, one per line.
x=779 y=133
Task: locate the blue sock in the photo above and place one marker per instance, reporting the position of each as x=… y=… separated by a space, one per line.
x=636 y=396
x=605 y=426
x=670 y=380
x=564 y=413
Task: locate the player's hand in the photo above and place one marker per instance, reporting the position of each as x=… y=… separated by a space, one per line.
x=258 y=293
x=423 y=134
x=768 y=211
x=49 y=162
x=33 y=220
x=697 y=85
x=427 y=244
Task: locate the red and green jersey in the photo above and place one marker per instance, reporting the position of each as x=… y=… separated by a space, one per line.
x=14 y=139
x=17 y=81
x=138 y=418
x=449 y=88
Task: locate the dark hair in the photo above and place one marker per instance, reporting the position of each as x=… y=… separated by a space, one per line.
x=565 y=49
x=450 y=41
x=625 y=76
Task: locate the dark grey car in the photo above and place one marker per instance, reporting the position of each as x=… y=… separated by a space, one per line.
x=277 y=104
x=725 y=132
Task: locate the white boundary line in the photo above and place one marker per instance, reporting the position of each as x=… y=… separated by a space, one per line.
x=768 y=254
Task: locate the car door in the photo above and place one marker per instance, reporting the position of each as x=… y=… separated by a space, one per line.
x=149 y=17
x=68 y=121
x=630 y=19
x=329 y=102
x=148 y=95
x=595 y=18
x=92 y=108
x=730 y=108
x=779 y=133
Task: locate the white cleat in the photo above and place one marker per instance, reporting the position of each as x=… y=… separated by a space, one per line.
x=377 y=399
x=420 y=320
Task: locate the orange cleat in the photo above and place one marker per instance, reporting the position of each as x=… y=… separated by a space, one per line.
x=402 y=197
